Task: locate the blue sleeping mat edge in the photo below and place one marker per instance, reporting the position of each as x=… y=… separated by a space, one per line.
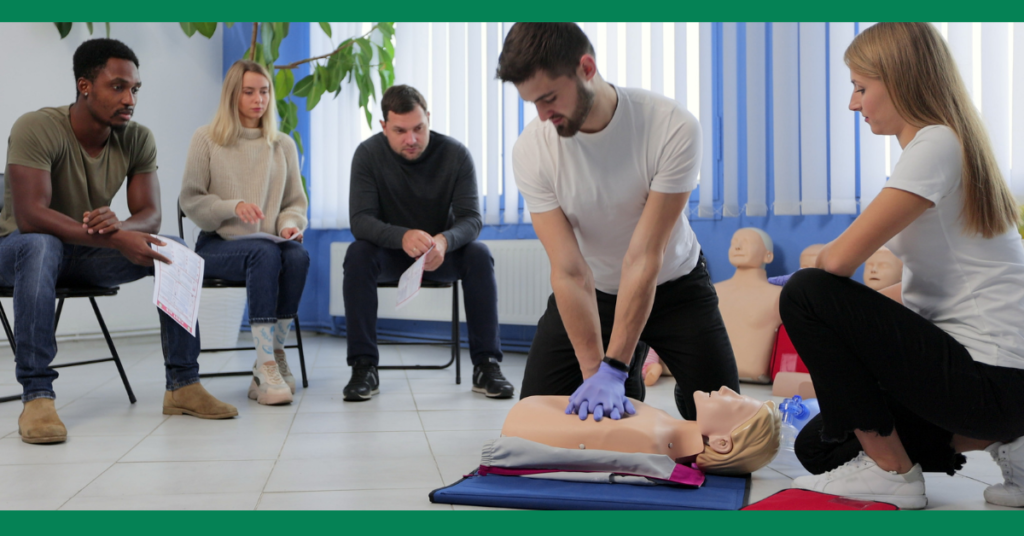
x=717 y=493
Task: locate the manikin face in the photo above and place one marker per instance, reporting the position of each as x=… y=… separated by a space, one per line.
x=872 y=100
x=254 y=99
x=408 y=134
x=565 y=101
x=882 y=269
x=720 y=412
x=112 y=95
x=747 y=250
x=809 y=256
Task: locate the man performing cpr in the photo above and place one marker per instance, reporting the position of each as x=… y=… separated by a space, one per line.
x=606 y=172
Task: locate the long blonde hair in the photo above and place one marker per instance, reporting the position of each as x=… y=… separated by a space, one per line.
x=754 y=445
x=226 y=126
x=916 y=67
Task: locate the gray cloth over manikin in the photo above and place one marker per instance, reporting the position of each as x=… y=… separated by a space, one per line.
x=514 y=453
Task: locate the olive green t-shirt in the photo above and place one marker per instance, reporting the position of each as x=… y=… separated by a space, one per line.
x=44 y=140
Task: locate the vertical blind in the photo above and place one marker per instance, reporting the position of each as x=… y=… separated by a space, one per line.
x=772 y=99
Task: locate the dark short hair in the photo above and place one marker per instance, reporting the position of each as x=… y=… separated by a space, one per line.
x=401 y=99
x=92 y=56
x=555 y=47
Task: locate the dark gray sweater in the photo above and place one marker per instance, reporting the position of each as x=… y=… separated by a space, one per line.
x=435 y=193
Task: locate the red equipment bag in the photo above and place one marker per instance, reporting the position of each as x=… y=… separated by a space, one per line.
x=803 y=499
x=784 y=356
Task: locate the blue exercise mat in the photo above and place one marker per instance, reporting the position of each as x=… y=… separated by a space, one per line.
x=717 y=493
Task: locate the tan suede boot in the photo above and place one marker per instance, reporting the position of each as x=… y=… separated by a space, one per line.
x=39 y=423
x=195 y=400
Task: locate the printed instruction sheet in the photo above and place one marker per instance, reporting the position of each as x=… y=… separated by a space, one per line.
x=267 y=236
x=179 y=284
x=409 y=283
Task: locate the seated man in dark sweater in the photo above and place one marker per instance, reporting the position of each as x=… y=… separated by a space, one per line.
x=412 y=189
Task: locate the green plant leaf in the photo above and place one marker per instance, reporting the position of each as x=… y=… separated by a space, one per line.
x=284 y=81
x=267 y=40
x=369 y=118
x=386 y=29
x=207 y=29
x=280 y=32
x=317 y=90
x=326 y=27
x=107 y=24
x=64 y=28
x=228 y=24
x=303 y=87
x=89 y=26
x=188 y=27
x=298 y=141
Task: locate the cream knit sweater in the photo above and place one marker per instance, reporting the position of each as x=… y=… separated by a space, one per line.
x=218 y=178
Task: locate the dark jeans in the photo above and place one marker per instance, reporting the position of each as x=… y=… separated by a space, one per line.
x=685 y=328
x=274 y=274
x=35 y=265
x=366 y=264
x=877 y=365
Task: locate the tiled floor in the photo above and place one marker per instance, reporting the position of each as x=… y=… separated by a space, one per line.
x=420 y=433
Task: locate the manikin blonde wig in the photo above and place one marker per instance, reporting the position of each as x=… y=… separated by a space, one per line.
x=226 y=126
x=916 y=67
x=754 y=445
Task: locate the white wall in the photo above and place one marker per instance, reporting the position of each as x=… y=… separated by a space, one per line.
x=181 y=81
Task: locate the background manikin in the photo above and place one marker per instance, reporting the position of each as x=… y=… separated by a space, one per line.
x=719 y=415
x=750 y=304
x=882 y=269
x=809 y=256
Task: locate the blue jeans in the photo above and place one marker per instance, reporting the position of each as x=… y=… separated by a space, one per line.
x=274 y=274
x=367 y=263
x=35 y=265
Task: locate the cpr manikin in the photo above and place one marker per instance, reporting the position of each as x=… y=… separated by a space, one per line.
x=809 y=256
x=750 y=304
x=733 y=434
x=883 y=269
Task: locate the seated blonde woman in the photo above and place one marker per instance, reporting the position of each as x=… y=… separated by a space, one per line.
x=733 y=434
x=242 y=177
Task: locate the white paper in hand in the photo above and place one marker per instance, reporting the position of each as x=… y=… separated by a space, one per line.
x=178 y=285
x=266 y=236
x=409 y=283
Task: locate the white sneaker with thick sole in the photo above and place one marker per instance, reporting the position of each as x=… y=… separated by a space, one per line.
x=282 y=367
x=861 y=478
x=1010 y=457
x=268 y=387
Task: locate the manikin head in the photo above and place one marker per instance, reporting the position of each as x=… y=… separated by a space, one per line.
x=107 y=81
x=882 y=269
x=742 y=433
x=751 y=248
x=406 y=122
x=552 y=65
x=809 y=256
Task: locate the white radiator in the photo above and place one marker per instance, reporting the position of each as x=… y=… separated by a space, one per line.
x=520 y=266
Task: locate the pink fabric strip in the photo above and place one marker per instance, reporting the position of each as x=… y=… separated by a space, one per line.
x=682 y=474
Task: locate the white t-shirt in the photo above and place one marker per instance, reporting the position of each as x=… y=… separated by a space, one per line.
x=970 y=286
x=601 y=180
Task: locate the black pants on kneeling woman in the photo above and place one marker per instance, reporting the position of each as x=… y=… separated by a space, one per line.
x=876 y=365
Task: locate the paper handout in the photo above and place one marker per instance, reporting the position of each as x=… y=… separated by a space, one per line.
x=409 y=283
x=267 y=236
x=178 y=285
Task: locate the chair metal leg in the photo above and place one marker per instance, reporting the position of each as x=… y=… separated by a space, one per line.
x=456 y=347
x=302 y=353
x=56 y=316
x=113 y=351
x=8 y=330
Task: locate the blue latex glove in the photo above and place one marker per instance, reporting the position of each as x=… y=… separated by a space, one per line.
x=779 y=279
x=602 y=394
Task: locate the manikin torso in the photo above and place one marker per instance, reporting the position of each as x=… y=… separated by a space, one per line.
x=542 y=419
x=750 y=306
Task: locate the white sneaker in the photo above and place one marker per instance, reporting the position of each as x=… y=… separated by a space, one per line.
x=282 y=367
x=268 y=386
x=1010 y=457
x=861 y=478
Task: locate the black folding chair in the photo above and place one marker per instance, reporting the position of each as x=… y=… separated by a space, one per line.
x=72 y=292
x=213 y=282
x=456 y=349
